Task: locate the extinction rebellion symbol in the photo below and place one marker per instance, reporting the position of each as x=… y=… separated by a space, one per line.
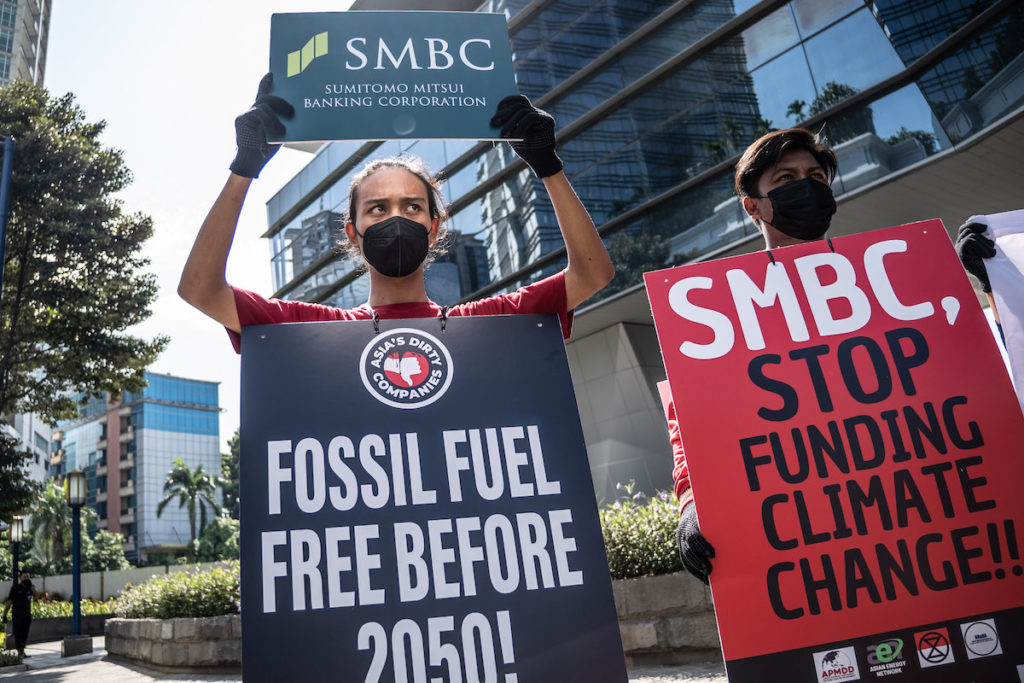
x=406 y=368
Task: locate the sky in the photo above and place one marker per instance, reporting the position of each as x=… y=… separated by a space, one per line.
x=169 y=80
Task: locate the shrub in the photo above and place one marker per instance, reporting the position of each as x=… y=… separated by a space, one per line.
x=193 y=593
x=9 y=658
x=640 y=534
x=47 y=608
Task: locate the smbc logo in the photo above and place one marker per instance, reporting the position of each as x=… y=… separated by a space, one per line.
x=300 y=59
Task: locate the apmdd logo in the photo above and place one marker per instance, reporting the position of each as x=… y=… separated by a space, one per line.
x=933 y=647
x=981 y=638
x=300 y=59
x=886 y=658
x=406 y=368
x=834 y=666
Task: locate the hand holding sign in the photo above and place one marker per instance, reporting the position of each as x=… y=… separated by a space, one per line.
x=253 y=127
x=535 y=131
x=973 y=247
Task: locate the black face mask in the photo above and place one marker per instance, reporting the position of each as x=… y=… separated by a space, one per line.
x=802 y=209
x=395 y=246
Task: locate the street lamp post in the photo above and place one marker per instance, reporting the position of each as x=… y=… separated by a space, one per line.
x=74 y=487
x=17 y=530
x=76 y=644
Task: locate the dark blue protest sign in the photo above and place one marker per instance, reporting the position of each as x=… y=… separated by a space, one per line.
x=386 y=75
x=417 y=506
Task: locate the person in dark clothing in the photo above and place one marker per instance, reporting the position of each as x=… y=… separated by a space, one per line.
x=20 y=598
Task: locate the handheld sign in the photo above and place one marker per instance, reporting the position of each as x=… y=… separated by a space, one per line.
x=383 y=75
x=417 y=505
x=854 y=447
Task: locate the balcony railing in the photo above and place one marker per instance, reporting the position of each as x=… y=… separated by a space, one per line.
x=127 y=434
x=127 y=461
x=127 y=516
x=127 y=488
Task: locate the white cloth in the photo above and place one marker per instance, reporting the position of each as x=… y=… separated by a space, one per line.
x=1006 y=274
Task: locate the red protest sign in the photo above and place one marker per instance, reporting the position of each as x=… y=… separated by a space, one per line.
x=853 y=443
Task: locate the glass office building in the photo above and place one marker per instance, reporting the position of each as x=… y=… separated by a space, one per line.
x=127 y=447
x=922 y=101
x=24 y=32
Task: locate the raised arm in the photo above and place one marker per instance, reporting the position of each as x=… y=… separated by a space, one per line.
x=589 y=268
x=202 y=281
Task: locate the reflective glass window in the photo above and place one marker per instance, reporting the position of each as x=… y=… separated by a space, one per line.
x=980 y=81
x=849 y=57
x=813 y=15
x=784 y=89
x=918 y=26
x=770 y=36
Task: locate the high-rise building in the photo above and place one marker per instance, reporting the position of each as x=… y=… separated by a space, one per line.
x=922 y=100
x=24 y=30
x=34 y=436
x=127 y=447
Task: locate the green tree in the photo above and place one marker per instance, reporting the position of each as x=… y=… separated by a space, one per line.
x=856 y=121
x=926 y=139
x=796 y=109
x=73 y=285
x=192 y=488
x=634 y=255
x=105 y=551
x=229 y=476
x=217 y=541
x=51 y=527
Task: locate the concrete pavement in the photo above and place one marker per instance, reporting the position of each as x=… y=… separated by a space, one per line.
x=45 y=665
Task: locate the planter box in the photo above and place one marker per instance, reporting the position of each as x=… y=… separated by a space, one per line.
x=178 y=645
x=55 y=628
x=666 y=619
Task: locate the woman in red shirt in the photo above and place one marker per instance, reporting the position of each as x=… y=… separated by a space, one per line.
x=395 y=215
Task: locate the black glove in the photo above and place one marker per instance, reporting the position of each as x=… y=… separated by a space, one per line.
x=694 y=549
x=973 y=247
x=520 y=119
x=252 y=128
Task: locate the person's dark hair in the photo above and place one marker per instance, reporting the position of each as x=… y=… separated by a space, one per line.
x=435 y=199
x=766 y=151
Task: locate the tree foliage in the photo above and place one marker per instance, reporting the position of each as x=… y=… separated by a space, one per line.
x=634 y=255
x=193 y=489
x=103 y=552
x=51 y=526
x=73 y=282
x=229 y=476
x=218 y=541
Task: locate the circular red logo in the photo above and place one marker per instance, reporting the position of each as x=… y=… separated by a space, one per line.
x=408 y=369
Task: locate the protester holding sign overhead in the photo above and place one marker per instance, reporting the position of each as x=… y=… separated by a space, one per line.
x=395 y=215
x=784 y=182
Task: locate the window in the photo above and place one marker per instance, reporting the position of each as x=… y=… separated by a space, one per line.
x=7 y=15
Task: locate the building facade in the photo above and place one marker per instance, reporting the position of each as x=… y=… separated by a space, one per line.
x=922 y=100
x=24 y=31
x=127 y=447
x=34 y=436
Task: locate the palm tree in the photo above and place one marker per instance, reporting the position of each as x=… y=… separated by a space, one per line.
x=192 y=488
x=51 y=525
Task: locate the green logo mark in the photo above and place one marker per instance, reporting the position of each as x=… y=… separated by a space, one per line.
x=300 y=59
x=889 y=650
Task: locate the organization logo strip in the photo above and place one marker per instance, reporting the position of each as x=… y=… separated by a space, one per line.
x=989 y=648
